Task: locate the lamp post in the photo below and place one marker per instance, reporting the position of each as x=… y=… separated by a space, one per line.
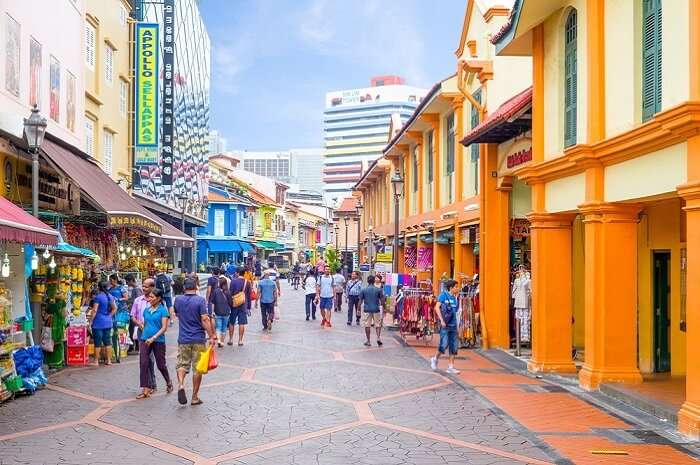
x=34 y=131
x=397 y=183
x=358 y=209
x=336 y=228
x=345 y=254
x=370 y=245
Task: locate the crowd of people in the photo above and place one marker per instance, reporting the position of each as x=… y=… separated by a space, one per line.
x=232 y=292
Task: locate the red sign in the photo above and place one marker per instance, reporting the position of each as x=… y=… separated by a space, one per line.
x=519 y=228
x=518 y=158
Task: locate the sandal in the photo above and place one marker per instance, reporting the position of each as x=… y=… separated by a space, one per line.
x=368 y=344
x=196 y=402
x=182 y=396
x=169 y=388
x=143 y=395
x=229 y=343
x=379 y=343
x=240 y=344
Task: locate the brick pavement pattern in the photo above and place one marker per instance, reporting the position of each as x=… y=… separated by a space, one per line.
x=306 y=395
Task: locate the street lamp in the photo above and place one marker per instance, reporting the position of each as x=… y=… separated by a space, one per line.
x=397 y=183
x=370 y=245
x=34 y=131
x=345 y=255
x=336 y=228
x=358 y=209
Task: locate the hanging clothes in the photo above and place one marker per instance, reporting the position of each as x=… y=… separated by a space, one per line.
x=522 y=289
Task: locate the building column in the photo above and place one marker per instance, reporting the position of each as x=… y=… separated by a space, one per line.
x=494 y=275
x=551 y=239
x=610 y=294
x=689 y=414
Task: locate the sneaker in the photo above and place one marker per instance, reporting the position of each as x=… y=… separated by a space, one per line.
x=323 y=322
x=349 y=323
x=307 y=318
x=328 y=324
x=433 y=363
x=452 y=370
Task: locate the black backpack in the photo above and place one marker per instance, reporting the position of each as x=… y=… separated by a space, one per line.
x=163 y=283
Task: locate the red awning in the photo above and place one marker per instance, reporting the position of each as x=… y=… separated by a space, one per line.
x=505 y=123
x=16 y=225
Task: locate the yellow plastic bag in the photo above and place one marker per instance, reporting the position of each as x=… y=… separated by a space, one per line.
x=203 y=363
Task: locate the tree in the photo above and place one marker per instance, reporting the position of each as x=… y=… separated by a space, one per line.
x=332 y=259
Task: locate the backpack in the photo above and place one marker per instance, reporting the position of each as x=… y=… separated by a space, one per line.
x=163 y=283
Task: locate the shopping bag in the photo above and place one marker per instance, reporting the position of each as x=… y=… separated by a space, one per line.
x=203 y=363
x=277 y=312
x=213 y=362
x=46 y=339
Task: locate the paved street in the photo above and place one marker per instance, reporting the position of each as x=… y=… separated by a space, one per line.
x=306 y=395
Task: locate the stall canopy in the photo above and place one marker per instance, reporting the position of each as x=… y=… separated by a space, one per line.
x=269 y=245
x=16 y=225
x=511 y=119
x=170 y=237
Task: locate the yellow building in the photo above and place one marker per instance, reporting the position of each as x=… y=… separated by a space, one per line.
x=615 y=182
x=108 y=86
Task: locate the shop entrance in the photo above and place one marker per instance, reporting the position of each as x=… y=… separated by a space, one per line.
x=662 y=290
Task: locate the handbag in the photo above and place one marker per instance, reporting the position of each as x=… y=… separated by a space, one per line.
x=46 y=339
x=238 y=299
x=203 y=362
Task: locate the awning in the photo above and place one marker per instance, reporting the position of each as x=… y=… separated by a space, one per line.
x=509 y=120
x=16 y=225
x=246 y=246
x=269 y=245
x=170 y=237
x=121 y=209
x=222 y=245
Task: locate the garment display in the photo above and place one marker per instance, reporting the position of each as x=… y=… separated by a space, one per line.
x=522 y=289
x=468 y=317
x=417 y=316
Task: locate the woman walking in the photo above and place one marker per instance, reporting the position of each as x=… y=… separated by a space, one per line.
x=103 y=308
x=221 y=306
x=155 y=324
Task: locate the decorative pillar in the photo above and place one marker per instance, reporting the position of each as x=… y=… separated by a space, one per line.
x=551 y=238
x=689 y=414
x=610 y=294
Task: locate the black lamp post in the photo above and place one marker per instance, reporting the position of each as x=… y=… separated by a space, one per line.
x=358 y=210
x=34 y=131
x=335 y=228
x=345 y=254
x=397 y=183
x=370 y=245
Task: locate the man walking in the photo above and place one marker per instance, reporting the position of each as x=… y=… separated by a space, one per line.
x=193 y=318
x=339 y=287
x=353 y=289
x=137 y=308
x=267 y=296
x=324 y=296
x=372 y=301
x=446 y=310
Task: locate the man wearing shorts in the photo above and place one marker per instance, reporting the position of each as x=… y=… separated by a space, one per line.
x=239 y=315
x=372 y=301
x=446 y=310
x=267 y=296
x=193 y=318
x=324 y=296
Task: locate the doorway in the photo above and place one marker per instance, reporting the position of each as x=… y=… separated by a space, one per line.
x=662 y=291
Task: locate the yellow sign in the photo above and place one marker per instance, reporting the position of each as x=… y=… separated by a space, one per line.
x=127 y=220
x=146 y=87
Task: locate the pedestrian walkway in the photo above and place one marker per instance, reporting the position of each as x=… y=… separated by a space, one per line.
x=307 y=395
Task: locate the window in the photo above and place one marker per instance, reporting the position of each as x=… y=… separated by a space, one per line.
x=123 y=14
x=651 y=58
x=108 y=143
x=109 y=64
x=414 y=170
x=90 y=39
x=89 y=137
x=123 y=96
x=475 y=147
x=219 y=222
x=570 y=78
x=450 y=154
x=429 y=157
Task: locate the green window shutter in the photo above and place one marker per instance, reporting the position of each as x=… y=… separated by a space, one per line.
x=450 y=145
x=651 y=58
x=415 y=170
x=475 y=123
x=429 y=157
x=570 y=80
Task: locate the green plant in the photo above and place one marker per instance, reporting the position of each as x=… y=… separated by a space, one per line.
x=332 y=260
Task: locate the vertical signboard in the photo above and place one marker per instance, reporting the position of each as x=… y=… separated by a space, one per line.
x=168 y=92
x=146 y=120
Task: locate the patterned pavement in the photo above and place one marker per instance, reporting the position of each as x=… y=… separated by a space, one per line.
x=303 y=395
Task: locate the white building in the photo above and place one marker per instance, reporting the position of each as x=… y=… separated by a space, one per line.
x=299 y=168
x=356 y=129
x=217 y=143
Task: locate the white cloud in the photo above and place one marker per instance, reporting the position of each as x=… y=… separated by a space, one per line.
x=314 y=25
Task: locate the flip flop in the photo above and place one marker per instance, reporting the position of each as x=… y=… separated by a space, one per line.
x=143 y=395
x=229 y=343
x=380 y=343
x=196 y=402
x=368 y=344
x=240 y=344
x=169 y=388
x=182 y=396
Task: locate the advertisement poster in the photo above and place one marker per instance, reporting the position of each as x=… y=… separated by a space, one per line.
x=425 y=258
x=410 y=256
x=384 y=253
x=146 y=121
x=12 y=41
x=167 y=156
x=55 y=89
x=34 y=73
x=70 y=101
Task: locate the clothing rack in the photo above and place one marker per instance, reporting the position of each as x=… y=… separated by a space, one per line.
x=468 y=317
x=417 y=317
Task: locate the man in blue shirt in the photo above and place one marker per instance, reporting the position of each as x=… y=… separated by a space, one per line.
x=372 y=301
x=446 y=311
x=121 y=297
x=267 y=295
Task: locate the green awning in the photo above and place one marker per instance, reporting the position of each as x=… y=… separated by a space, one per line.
x=269 y=245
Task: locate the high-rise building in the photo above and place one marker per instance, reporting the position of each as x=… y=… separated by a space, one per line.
x=217 y=143
x=306 y=169
x=273 y=165
x=356 y=129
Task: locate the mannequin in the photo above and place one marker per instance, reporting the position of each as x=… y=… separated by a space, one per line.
x=521 y=295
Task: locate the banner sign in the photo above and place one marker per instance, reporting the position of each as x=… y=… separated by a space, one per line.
x=166 y=161
x=146 y=119
x=425 y=259
x=126 y=220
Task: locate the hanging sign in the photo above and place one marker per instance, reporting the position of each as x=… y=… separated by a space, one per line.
x=146 y=119
x=131 y=220
x=166 y=161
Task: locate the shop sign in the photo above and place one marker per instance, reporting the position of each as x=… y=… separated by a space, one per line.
x=146 y=120
x=166 y=162
x=518 y=158
x=385 y=253
x=520 y=229
x=56 y=193
x=127 y=220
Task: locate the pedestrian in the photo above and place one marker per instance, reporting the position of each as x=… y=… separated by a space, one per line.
x=372 y=301
x=258 y=269
x=165 y=284
x=274 y=277
x=221 y=306
x=239 y=306
x=309 y=287
x=134 y=291
x=155 y=324
x=339 y=288
x=324 y=297
x=267 y=295
x=212 y=283
x=101 y=314
x=137 y=308
x=121 y=297
x=353 y=290
x=194 y=325
x=446 y=311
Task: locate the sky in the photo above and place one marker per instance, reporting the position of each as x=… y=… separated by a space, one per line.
x=274 y=60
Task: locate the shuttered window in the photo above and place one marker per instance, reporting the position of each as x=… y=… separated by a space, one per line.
x=570 y=80
x=90 y=35
x=107 y=145
x=475 y=147
x=109 y=64
x=450 y=145
x=429 y=157
x=651 y=58
x=414 y=170
x=89 y=137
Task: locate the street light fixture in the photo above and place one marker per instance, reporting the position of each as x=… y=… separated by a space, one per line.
x=397 y=183
x=34 y=132
x=345 y=254
x=336 y=228
x=358 y=210
x=370 y=245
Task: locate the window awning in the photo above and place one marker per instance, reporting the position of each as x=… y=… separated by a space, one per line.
x=170 y=236
x=511 y=119
x=269 y=245
x=16 y=225
x=223 y=245
x=246 y=246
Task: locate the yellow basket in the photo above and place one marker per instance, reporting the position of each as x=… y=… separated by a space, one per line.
x=91 y=349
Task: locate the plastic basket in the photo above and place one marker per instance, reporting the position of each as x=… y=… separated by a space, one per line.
x=77 y=356
x=14 y=383
x=25 y=325
x=76 y=336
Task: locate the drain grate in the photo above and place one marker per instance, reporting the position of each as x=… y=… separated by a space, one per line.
x=650 y=437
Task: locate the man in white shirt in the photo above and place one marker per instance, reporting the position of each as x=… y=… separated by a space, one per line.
x=339 y=287
x=324 y=296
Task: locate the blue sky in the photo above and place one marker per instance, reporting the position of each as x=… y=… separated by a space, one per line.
x=274 y=60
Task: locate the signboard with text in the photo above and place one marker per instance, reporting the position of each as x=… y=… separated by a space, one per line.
x=166 y=161
x=146 y=94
